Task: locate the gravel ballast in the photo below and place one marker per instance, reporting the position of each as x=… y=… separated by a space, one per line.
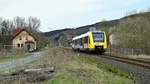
x=142 y=76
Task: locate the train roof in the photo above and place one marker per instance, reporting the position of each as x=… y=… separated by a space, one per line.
x=81 y=36
x=84 y=35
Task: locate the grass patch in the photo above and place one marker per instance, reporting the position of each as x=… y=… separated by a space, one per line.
x=64 y=78
x=106 y=67
x=83 y=73
x=81 y=69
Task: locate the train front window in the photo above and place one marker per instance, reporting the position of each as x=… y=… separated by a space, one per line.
x=98 y=36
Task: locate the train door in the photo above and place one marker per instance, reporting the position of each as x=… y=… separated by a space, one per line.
x=85 y=42
x=82 y=43
x=89 y=42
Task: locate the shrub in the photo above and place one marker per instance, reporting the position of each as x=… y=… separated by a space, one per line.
x=133 y=33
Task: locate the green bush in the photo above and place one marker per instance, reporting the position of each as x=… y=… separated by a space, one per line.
x=133 y=33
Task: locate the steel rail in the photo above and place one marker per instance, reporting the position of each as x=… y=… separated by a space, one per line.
x=140 y=63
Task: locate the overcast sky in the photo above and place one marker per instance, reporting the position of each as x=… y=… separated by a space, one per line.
x=58 y=14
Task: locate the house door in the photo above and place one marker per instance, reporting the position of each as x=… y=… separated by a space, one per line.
x=28 y=46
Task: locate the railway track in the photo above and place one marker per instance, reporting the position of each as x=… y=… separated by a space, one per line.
x=140 y=63
x=140 y=69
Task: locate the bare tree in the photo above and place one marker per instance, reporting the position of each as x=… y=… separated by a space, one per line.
x=33 y=23
x=6 y=26
x=19 y=22
x=148 y=9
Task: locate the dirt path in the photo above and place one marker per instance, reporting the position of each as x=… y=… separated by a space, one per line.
x=13 y=64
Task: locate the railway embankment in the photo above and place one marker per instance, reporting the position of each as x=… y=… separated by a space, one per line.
x=75 y=68
x=141 y=75
x=138 y=68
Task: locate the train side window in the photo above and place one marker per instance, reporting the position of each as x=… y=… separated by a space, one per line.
x=81 y=41
x=78 y=41
x=75 y=42
x=86 y=40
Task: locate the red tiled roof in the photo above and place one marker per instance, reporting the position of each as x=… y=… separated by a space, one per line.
x=16 y=31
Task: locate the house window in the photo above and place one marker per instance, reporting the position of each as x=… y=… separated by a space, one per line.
x=18 y=45
x=21 y=45
x=26 y=37
x=20 y=38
